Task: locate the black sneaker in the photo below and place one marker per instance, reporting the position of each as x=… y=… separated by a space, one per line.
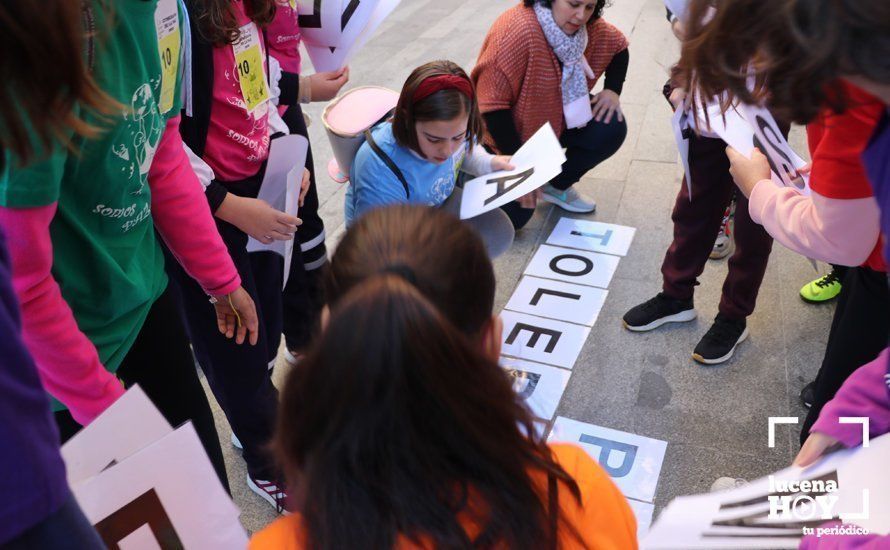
x=653 y=313
x=719 y=343
x=808 y=395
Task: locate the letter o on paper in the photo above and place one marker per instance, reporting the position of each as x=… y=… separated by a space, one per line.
x=555 y=265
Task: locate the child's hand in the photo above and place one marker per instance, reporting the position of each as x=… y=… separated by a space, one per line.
x=325 y=86
x=304 y=186
x=258 y=219
x=501 y=162
x=236 y=316
x=816 y=445
x=747 y=172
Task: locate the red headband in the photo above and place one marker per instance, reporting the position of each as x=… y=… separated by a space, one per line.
x=441 y=82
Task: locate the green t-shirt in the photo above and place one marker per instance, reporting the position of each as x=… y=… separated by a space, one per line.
x=105 y=255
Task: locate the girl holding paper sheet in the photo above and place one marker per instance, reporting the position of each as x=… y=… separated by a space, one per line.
x=407 y=433
x=302 y=295
x=230 y=128
x=528 y=50
x=840 y=221
x=83 y=222
x=415 y=158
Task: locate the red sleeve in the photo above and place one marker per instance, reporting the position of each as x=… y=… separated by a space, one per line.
x=836 y=143
x=67 y=360
x=183 y=218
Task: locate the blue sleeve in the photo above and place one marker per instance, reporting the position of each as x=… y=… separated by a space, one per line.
x=374 y=183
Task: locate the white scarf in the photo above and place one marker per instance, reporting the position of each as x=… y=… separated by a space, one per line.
x=575 y=70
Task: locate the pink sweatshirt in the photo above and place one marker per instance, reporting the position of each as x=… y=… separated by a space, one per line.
x=68 y=362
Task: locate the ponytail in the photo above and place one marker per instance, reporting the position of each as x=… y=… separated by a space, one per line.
x=396 y=425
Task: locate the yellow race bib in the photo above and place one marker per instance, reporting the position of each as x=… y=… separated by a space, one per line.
x=250 y=68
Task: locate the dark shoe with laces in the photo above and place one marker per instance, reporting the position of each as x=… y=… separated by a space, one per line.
x=808 y=395
x=721 y=340
x=658 y=311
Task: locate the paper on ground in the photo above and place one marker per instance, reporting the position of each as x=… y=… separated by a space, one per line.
x=708 y=520
x=633 y=461
x=643 y=513
x=542 y=340
x=558 y=300
x=194 y=507
x=605 y=238
x=281 y=189
x=538 y=161
x=130 y=424
x=540 y=386
x=573 y=266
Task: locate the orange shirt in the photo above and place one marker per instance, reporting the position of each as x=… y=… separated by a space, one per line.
x=604 y=519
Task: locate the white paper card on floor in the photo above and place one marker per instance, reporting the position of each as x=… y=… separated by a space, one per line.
x=538 y=161
x=573 y=266
x=130 y=424
x=542 y=340
x=605 y=238
x=771 y=512
x=558 y=300
x=633 y=461
x=541 y=386
x=643 y=512
x=171 y=487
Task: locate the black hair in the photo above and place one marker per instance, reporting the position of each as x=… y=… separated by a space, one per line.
x=597 y=11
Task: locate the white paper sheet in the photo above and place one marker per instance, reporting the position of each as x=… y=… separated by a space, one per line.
x=542 y=340
x=678 y=124
x=605 y=238
x=332 y=58
x=538 y=161
x=130 y=424
x=784 y=161
x=281 y=189
x=677 y=7
x=541 y=386
x=321 y=21
x=573 y=266
x=558 y=300
x=172 y=486
x=741 y=518
x=633 y=461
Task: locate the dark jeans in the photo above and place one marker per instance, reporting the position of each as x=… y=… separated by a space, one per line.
x=585 y=148
x=239 y=374
x=302 y=296
x=858 y=334
x=696 y=224
x=66 y=528
x=162 y=364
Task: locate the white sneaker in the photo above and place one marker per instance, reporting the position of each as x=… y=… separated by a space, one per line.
x=570 y=199
x=726 y=483
x=270 y=492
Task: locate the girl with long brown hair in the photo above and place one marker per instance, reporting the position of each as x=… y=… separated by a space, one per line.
x=399 y=428
x=415 y=158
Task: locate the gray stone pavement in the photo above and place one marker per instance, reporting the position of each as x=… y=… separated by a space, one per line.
x=714 y=420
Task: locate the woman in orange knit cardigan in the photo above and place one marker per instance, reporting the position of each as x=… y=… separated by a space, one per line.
x=537 y=65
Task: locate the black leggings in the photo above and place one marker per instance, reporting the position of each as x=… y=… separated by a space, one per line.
x=161 y=362
x=585 y=148
x=858 y=334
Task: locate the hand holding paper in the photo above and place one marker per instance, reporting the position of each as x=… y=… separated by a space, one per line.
x=747 y=171
x=535 y=163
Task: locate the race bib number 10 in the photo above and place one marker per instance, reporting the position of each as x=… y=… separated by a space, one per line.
x=249 y=65
x=167 y=26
